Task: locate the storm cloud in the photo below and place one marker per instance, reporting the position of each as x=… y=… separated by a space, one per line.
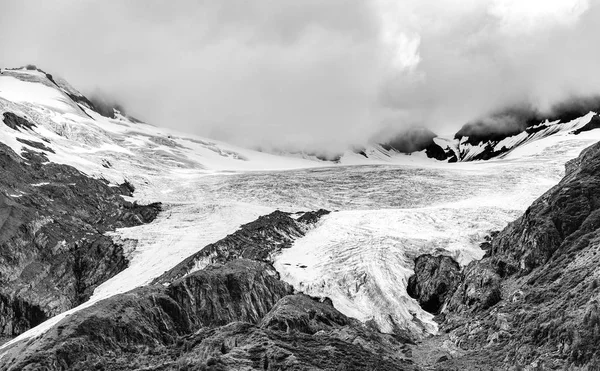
x=312 y=74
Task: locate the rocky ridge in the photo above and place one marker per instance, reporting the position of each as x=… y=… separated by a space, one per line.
x=532 y=302
x=224 y=307
x=234 y=313
x=53 y=220
x=258 y=240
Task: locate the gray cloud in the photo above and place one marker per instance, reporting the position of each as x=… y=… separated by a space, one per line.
x=316 y=74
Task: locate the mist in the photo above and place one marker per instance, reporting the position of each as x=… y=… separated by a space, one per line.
x=314 y=75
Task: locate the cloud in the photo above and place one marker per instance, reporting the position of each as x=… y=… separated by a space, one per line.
x=311 y=74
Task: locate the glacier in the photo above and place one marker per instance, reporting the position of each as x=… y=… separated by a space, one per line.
x=385 y=210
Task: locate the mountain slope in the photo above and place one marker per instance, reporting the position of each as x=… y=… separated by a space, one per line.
x=532 y=301
x=53 y=221
x=220 y=203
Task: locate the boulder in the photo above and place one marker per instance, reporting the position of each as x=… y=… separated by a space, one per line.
x=435 y=280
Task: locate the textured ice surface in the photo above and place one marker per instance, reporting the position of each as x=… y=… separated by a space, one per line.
x=360 y=255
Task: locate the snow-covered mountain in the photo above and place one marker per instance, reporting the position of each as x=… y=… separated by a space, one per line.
x=360 y=255
x=424 y=144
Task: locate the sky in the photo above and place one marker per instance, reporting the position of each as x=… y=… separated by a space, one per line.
x=312 y=74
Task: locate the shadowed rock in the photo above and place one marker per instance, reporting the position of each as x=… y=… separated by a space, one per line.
x=16 y=122
x=532 y=302
x=479 y=289
x=53 y=248
x=304 y=314
x=562 y=214
x=435 y=279
x=217 y=318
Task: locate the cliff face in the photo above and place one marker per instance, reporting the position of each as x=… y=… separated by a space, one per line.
x=557 y=220
x=53 y=251
x=532 y=302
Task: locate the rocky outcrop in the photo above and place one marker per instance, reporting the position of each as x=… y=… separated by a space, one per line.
x=304 y=314
x=16 y=122
x=435 y=151
x=224 y=317
x=37 y=145
x=257 y=240
x=241 y=290
x=435 y=280
x=53 y=247
x=478 y=290
x=563 y=214
x=532 y=302
x=593 y=124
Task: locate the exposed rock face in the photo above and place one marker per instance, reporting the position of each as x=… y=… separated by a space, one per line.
x=304 y=314
x=532 y=302
x=53 y=251
x=241 y=290
x=563 y=214
x=433 y=150
x=179 y=327
x=593 y=124
x=479 y=289
x=486 y=139
x=17 y=123
x=435 y=280
x=37 y=145
x=257 y=240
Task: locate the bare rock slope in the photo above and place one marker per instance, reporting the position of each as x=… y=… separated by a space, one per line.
x=232 y=314
x=53 y=220
x=532 y=302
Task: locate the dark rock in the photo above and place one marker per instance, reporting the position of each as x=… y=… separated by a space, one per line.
x=82 y=100
x=593 y=124
x=433 y=150
x=53 y=251
x=479 y=289
x=435 y=280
x=257 y=240
x=26 y=315
x=531 y=303
x=304 y=314
x=241 y=290
x=16 y=122
x=126 y=188
x=34 y=144
x=35 y=157
x=179 y=327
x=569 y=207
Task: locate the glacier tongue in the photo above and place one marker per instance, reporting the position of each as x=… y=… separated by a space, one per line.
x=362 y=259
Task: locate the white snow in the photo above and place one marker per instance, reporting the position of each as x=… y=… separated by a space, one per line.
x=360 y=256
x=16 y=90
x=179 y=231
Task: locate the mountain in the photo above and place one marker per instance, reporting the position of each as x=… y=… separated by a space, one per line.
x=130 y=246
x=468 y=144
x=532 y=301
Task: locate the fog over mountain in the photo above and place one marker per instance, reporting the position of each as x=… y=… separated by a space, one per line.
x=314 y=74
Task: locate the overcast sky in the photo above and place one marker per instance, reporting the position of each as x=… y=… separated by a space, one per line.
x=311 y=73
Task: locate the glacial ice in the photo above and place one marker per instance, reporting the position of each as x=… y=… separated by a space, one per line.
x=386 y=211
